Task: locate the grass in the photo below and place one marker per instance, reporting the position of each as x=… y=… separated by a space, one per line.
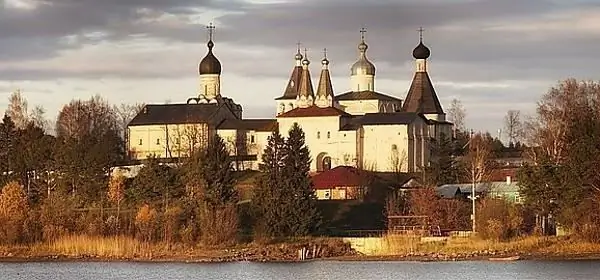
x=108 y=247
x=390 y=245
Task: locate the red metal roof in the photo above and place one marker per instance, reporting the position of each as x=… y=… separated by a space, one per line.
x=340 y=176
x=313 y=111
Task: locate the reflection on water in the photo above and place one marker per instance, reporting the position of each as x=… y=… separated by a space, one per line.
x=524 y=270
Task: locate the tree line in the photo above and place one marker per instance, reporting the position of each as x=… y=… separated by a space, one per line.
x=62 y=183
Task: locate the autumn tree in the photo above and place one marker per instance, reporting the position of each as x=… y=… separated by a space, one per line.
x=146 y=222
x=116 y=190
x=17 y=109
x=513 y=126
x=564 y=143
x=13 y=212
x=124 y=113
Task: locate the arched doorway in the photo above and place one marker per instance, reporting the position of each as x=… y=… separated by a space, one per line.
x=323 y=162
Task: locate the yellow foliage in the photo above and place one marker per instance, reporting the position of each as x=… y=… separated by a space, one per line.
x=145 y=221
x=13 y=212
x=116 y=188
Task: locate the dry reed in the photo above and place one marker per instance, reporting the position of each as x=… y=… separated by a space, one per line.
x=109 y=247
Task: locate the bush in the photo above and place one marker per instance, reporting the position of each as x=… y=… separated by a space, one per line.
x=13 y=213
x=57 y=216
x=219 y=225
x=498 y=219
x=146 y=223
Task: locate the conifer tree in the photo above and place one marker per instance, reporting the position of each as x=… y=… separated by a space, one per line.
x=304 y=217
x=443 y=168
x=218 y=174
x=269 y=195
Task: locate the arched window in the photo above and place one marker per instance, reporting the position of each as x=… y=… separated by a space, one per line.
x=328 y=134
x=140 y=143
x=326 y=163
x=318 y=135
x=394 y=147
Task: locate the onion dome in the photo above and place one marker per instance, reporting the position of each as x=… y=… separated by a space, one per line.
x=421 y=51
x=210 y=64
x=363 y=65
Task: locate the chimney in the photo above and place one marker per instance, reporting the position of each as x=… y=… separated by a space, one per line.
x=508 y=180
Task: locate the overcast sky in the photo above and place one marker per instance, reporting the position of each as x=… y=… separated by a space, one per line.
x=492 y=55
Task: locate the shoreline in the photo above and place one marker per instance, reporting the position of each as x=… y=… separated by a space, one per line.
x=256 y=259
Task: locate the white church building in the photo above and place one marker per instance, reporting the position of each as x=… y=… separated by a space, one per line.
x=362 y=128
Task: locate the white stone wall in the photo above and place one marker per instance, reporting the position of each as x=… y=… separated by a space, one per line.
x=210 y=85
x=362 y=82
x=253 y=142
x=395 y=148
x=165 y=141
x=324 y=139
x=359 y=107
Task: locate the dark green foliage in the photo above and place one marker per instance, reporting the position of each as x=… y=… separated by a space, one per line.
x=443 y=167
x=304 y=218
x=155 y=184
x=269 y=196
x=217 y=174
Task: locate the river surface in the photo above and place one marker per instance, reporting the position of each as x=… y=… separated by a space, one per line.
x=522 y=270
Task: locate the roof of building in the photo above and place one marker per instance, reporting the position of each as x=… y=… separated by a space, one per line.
x=325 y=87
x=175 y=114
x=390 y=118
x=421 y=96
x=209 y=64
x=249 y=124
x=313 y=111
x=451 y=190
x=350 y=123
x=340 y=176
x=365 y=95
x=291 y=90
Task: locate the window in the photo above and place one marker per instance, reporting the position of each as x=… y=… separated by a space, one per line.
x=252 y=139
x=140 y=143
x=328 y=134
x=318 y=135
x=157 y=141
x=394 y=147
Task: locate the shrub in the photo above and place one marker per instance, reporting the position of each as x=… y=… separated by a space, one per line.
x=13 y=212
x=146 y=223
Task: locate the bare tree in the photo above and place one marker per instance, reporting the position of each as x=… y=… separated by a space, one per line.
x=513 y=126
x=125 y=113
x=38 y=117
x=457 y=114
x=479 y=158
x=17 y=109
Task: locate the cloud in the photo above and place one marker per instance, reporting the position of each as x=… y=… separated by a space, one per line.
x=489 y=53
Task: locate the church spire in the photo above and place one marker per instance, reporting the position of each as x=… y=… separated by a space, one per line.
x=363 y=71
x=306 y=94
x=210 y=70
x=325 y=88
x=422 y=97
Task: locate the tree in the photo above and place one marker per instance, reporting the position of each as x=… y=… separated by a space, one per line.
x=13 y=212
x=8 y=137
x=38 y=117
x=218 y=174
x=124 y=114
x=155 y=183
x=478 y=164
x=305 y=217
x=269 y=196
x=513 y=126
x=116 y=191
x=219 y=214
x=443 y=167
x=456 y=115
x=88 y=146
x=17 y=109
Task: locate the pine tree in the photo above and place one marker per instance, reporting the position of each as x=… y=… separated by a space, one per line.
x=269 y=195
x=218 y=174
x=219 y=214
x=443 y=168
x=304 y=217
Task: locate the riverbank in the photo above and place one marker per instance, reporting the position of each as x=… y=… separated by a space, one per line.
x=397 y=249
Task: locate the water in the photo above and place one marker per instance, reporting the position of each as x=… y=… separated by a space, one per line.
x=522 y=270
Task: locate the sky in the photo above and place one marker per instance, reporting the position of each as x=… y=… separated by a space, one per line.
x=493 y=56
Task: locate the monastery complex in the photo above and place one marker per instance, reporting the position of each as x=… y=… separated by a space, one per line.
x=362 y=128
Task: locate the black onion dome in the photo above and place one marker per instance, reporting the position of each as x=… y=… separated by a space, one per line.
x=421 y=52
x=209 y=64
